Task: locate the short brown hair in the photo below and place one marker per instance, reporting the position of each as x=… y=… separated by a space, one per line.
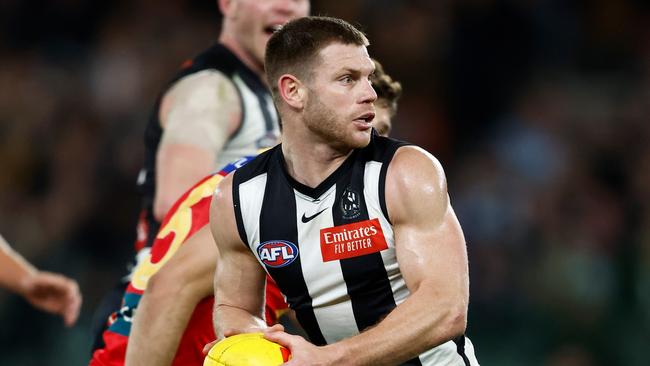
x=385 y=87
x=294 y=47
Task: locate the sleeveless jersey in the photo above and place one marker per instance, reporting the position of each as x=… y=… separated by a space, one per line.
x=259 y=127
x=331 y=249
x=188 y=215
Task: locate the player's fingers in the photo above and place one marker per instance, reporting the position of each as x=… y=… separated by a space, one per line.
x=207 y=347
x=284 y=339
x=231 y=332
x=71 y=312
x=51 y=281
x=275 y=328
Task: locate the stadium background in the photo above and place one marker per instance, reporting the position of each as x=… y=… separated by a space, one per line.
x=538 y=109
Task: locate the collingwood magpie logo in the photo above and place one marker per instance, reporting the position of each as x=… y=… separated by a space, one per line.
x=350 y=205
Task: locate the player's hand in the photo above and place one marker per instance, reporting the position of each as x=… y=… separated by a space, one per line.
x=53 y=293
x=302 y=352
x=232 y=331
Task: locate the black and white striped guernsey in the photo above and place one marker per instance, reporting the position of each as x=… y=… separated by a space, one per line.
x=330 y=248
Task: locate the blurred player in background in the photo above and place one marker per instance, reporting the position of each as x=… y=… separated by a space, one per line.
x=388 y=93
x=50 y=292
x=216 y=110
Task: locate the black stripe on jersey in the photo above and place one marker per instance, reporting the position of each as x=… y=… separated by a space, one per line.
x=460 y=348
x=236 y=203
x=365 y=276
x=385 y=158
x=277 y=220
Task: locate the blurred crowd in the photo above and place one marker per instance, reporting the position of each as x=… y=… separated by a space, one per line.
x=539 y=111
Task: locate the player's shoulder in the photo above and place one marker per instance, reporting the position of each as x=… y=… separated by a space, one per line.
x=382 y=148
x=209 y=79
x=414 y=169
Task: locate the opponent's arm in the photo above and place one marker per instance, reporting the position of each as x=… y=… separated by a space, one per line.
x=239 y=279
x=51 y=292
x=169 y=301
x=198 y=115
x=432 y=256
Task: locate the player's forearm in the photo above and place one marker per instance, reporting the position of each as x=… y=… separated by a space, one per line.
x=230 y=320
x=418 y=324
x=14 y=269
x=162 y=317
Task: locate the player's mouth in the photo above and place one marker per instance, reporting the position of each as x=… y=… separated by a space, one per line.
x=272 y=28
x=364 y=121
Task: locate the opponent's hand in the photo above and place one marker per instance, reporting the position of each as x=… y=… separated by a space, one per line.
x=232 y=332
x=53 y=293
x=302 y=352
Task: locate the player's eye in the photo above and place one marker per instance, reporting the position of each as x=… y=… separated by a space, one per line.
x=346 y=79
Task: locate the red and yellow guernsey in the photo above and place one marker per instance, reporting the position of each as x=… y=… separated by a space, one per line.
x=188 y=215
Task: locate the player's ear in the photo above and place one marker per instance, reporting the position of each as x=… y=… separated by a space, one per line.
x=292 y=91
x=226 y=6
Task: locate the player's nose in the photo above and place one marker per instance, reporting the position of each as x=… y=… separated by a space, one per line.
x=368 y=93
x=292 y=8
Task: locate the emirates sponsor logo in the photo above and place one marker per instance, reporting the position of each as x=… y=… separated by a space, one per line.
x=352 y=240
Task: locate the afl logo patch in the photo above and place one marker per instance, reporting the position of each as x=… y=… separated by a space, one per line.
x=277 y=253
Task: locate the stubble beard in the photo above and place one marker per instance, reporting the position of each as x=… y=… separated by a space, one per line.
x=323 y=122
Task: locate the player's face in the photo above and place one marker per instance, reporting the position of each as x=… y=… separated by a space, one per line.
x=254 y=21
x=339 y=105
x=383 y=113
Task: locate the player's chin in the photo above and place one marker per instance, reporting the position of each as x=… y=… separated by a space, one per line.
x=359 y=138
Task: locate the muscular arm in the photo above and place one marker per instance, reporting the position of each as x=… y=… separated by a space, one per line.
x=432 y=256
x=198 y=115
x=169 y=300
x=239 y=279
x=47 y=291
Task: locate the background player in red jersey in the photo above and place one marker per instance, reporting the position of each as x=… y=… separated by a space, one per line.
x=178 y=307
x=47 y=291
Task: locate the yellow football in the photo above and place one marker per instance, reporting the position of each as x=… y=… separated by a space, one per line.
x=247 y=349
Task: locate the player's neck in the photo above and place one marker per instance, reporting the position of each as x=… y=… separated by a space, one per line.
x=244 y=56
x=311 y=163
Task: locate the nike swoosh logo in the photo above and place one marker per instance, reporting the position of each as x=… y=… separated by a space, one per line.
x=306 y=219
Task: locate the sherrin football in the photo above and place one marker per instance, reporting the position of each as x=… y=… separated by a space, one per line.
x=247 y=349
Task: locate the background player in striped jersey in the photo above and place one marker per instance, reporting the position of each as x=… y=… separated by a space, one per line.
x=397 y=294
x=216 y=110
x=46 y=291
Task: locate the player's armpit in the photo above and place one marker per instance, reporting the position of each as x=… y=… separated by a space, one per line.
x=239 y=279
